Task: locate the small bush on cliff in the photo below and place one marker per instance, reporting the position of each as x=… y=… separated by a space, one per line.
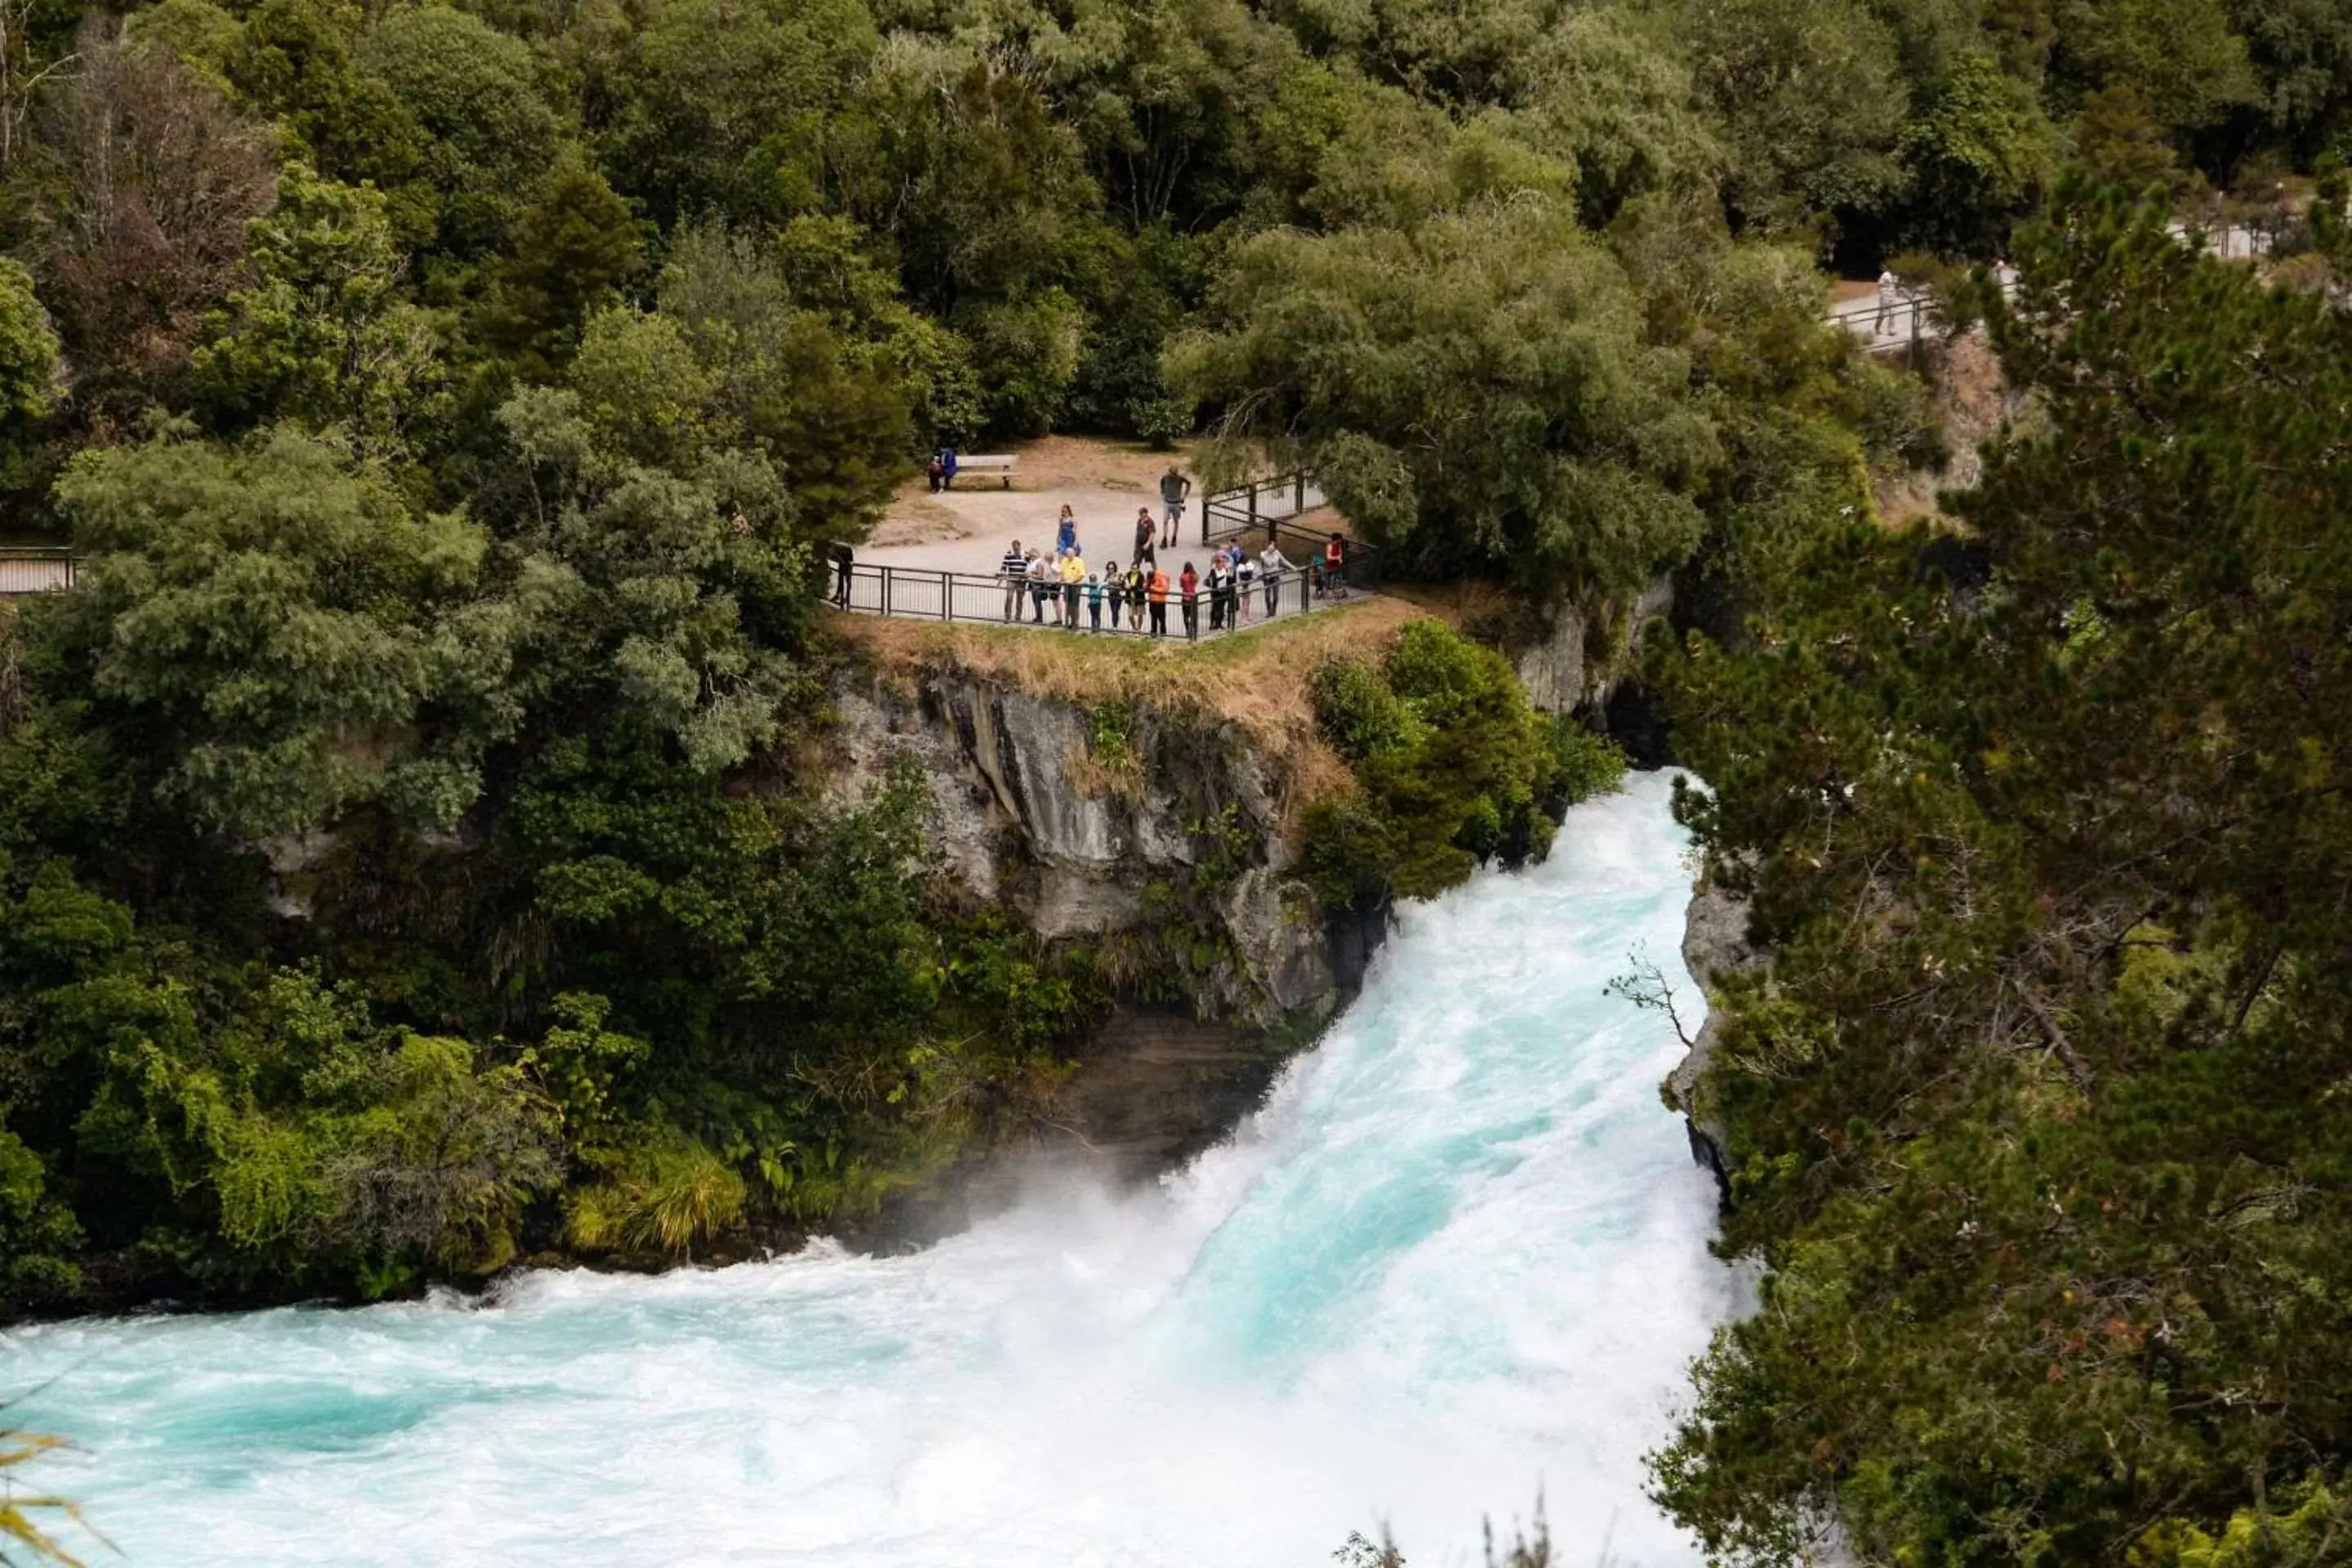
x=1453 y=769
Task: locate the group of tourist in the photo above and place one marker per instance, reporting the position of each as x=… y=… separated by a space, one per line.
x=1138 y=594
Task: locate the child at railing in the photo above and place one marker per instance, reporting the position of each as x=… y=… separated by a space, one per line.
x=1094 y=601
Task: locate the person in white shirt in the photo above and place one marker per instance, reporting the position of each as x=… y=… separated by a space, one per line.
x=1271 y=567
x=1889 y=294
x=1040 y=573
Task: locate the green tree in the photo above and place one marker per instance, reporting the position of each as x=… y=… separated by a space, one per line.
x=1809 y=97
x=1453 y=767
x=323 y=335
x=28 y=349
x=574 y=246
x=274 y=631
x=1479 y=395
x=730 y=106
x=294 y=61
x=483 y=136
x=1977 y=157
x=2048 y=871
x=673 y=595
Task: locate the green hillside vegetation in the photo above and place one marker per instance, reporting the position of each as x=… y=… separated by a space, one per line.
x=2040 y=1114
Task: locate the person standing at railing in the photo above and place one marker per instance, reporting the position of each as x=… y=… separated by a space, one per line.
x=843 y=558
x=1159 y=589
x=1271 y=569
x=1074 y=577
x=1191 y=585
x=1039 y=583
x=1244 y=587
x=1173 y=487
x=1139 y=584
x=1114 y=590
x=1094 y=601
x=1335 y=565
x=1014 y=569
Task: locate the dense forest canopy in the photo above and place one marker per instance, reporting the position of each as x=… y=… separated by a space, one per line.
x=414 y=846
x=2039 y=1113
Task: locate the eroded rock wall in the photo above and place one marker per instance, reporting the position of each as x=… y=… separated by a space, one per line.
x=1715 y=944
x=1158 y=827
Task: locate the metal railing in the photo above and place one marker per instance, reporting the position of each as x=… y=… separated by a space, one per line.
x=1252 y=506
x=923 y=594
x=34 y=569
x=1272 y=510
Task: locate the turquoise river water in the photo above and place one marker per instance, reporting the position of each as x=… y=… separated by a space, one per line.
x=1458 y=1259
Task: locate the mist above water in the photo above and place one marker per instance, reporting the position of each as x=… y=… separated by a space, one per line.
x=1460 y=1256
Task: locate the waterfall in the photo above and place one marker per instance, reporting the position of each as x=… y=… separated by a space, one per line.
x=1458 y=1259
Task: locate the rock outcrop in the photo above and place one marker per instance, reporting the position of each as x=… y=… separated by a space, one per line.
x=1714 y=943
x=1160 y=837
x=1582 y=656
x=1123 y=823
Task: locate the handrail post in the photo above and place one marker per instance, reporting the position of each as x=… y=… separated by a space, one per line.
x=947 y=595
x=1299 y=492
x=886 y=590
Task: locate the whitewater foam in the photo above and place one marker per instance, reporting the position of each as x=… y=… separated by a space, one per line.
x=1458 y=1257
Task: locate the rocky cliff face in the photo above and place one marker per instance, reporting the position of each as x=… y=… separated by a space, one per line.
x=1714 y=943
x=1159 y=837
x=1583 y=654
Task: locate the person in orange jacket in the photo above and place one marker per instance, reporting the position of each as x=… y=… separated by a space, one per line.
x=1158 y=601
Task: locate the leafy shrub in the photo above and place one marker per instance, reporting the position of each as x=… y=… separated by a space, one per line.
x=1456 y=769
x=666 y=1197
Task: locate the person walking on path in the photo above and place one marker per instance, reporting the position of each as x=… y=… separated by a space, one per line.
x=946 y=468
x=1014 y=569
x=1038 y=571
x=1889 y=294
x=1094 y=601
x=1271 y=568
x=1158 y=589
x=1335 y=565
x=1173 y=487
x=1074 y=577
x=1144 y=535
x=1066 y=533
x=1190 y=584
x=937 y=472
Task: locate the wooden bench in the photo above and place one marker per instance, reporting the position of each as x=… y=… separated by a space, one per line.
x=1002 y=464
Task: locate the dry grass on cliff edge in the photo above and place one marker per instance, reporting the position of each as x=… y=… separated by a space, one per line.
x=1256 y=681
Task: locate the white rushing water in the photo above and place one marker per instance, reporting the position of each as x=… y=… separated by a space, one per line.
x=1460 y=1256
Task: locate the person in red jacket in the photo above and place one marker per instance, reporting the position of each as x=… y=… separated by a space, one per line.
x=1192 y=585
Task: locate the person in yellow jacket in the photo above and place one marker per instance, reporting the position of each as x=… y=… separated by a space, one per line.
x=1158 y=601
x=1073 y=574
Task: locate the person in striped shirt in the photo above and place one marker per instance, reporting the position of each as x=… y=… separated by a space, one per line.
x=1014 y=569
